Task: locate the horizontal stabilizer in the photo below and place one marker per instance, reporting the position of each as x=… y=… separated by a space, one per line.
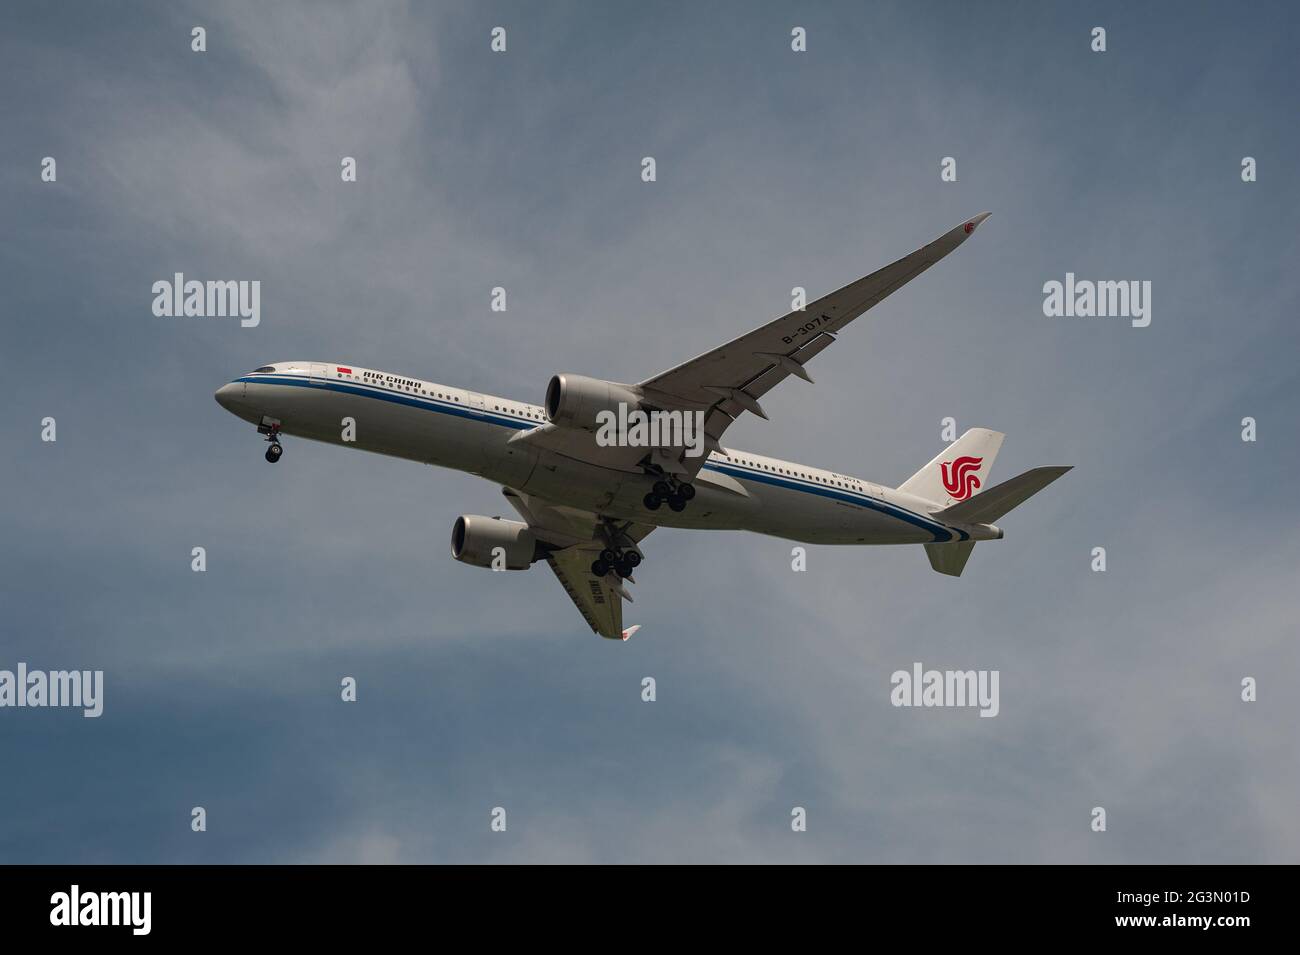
x=988 y=506
x=949 y=559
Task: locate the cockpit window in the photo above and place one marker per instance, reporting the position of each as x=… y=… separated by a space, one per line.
x=264 y=368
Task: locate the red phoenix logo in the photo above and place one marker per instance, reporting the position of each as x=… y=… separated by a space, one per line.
x=961 y=481
x=969 y=227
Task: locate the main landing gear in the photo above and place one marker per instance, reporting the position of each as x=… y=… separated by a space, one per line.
x=670 y=491
x=619 y=554
x=621 y=562
x=272 y=431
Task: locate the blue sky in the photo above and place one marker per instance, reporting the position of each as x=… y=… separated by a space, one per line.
x=775 y=169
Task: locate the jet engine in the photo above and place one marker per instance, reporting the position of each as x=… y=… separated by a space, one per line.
x=492 y=542
x=573 y=401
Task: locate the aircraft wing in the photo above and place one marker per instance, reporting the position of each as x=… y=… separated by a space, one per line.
x=598 y=599
x=728 y=381
x=577 y=537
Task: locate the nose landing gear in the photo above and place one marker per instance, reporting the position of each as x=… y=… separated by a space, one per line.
x=271 y=428
x=672 y=492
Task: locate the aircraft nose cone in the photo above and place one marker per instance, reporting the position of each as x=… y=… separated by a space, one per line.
x=227 y=395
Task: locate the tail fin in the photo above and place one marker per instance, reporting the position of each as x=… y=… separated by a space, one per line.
x=959 y=470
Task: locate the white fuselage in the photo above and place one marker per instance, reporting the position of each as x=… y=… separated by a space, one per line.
x=453 y=428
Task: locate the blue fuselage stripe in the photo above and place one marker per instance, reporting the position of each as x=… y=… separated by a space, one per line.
x=413 y=401
x=940 y=532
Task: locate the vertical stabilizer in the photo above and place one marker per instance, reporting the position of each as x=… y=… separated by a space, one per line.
x=959 y=471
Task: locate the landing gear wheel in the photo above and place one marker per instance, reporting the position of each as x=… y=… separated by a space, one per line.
x=274 y=451
x=599 y=568
x=687 y=491
x=632 y=559
x=623 y=569
x=608 y=556
x=652 y=502
x=676 y=502
x=663 y=488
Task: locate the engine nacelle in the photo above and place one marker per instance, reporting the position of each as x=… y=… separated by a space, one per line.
x=573 y=401
x=475 y=539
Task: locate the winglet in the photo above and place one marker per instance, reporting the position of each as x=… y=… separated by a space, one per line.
x=630 y=630
x=969 y=225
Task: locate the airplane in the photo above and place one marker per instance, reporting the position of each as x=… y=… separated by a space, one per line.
x=588 y=504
